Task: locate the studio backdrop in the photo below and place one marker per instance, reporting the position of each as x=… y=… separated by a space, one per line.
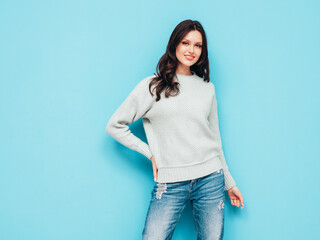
x=66 y=66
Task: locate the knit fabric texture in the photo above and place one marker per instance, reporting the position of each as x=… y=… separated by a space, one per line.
x=182 y=131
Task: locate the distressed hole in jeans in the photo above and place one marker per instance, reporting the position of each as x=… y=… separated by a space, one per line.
x=221 y=205
x=162 y=187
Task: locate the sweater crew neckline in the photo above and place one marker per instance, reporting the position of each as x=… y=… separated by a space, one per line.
x=187 y=76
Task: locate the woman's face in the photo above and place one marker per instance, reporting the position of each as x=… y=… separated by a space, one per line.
x=189 y=49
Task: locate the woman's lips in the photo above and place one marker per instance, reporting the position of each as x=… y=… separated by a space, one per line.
x=189 y=57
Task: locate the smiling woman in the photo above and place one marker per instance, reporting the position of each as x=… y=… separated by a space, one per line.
x=189 y=51
x=178 y=107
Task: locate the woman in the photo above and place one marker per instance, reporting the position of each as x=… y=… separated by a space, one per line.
x=178 y=108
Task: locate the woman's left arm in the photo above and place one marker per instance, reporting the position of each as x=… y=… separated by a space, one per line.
x=214 y=125
x=230 y=185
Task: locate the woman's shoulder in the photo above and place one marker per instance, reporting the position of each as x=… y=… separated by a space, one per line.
x=142 y=86
x=211 y=85
x=145 y=81
x=202 y=80
x=211 y=88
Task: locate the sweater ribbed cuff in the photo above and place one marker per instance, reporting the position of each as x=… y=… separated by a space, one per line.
x=144 y=149
x=229 y=181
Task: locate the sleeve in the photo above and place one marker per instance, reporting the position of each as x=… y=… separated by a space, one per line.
x=214 y=124
x=134 y=107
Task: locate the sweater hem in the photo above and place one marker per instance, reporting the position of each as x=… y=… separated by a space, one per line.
x=178 y=174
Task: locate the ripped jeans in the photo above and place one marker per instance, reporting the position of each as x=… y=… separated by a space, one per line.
x=207 y=196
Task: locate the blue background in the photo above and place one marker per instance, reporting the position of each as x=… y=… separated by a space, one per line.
x=65 y=67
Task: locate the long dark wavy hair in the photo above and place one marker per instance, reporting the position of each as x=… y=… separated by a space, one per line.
x=167 y=65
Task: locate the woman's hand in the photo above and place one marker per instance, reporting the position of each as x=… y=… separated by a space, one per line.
x=235 y=197
x=155 y=169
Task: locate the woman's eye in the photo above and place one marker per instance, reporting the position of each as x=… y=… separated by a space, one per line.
x=199 y=46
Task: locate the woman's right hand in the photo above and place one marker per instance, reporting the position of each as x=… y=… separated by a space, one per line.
x=155 y=169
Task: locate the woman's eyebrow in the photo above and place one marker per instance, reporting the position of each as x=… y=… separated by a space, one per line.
x=189 y=40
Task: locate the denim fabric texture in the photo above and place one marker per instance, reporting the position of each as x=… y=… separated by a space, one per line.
x=207 y=196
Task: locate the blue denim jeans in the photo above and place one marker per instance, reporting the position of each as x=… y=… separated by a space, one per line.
x=207 y=196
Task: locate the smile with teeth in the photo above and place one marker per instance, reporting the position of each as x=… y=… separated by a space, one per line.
x=189 y=57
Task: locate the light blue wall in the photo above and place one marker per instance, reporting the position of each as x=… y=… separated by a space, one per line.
x=65 y=66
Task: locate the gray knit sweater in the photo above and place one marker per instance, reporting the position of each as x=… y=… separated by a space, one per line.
x=182 y=131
